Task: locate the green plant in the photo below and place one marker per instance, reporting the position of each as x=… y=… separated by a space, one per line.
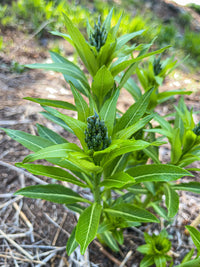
x=191 y=44
x=155 y=249
x=167 y=34
x=151 y=74
x=187 y=261
x=195 y=7
x=103 y=163
x=16 y=67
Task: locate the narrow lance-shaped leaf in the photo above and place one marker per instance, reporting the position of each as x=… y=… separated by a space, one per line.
x=109 y=240
x=72 y=244
x=171 y=200
x=123 y=65
x=134 y=113
x=78 y=127
x=195 y=234
x=160 y=261
x=126 y=147
x=52 y=192
x=52 y=172
x=50 y=135
x=122 y=40
x=52 y=103
x=83 y=87
x=81 y=105
x=128 y=132
x=55 y=151
x=191 y=187
x=82 y=47
x=118 y=180
x=157 y=173
x=131 y=213
x=147 y=261
x=108 y=112
x=87 y=226
x=102 y=84
x=56 y=120
x=85 y=165
x=30 y=141
x=176 y=147
x=68 y=68
x=193 y=263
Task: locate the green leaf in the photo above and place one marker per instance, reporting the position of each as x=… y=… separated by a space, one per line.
x=157 y=173
x=85 y=165
x=87 y=226
x=125 y=147
x=50 y=135
x=118 y=235
x=108 y=238
x=82 y=47
x=52 y=192
x=165 y=95
x=128 y=132
x=52 y=103
x=78 y=127
x=145 y=249
x=131 y=87
x=176 y=146
x=72 y=244
x=160 y=131
x=171 y=201
x=163 y=123
x=118 y=180
x=30 y=141
x=123 y=65
x=193 y=263
x=127 y=37
x=107 y=21
x=55 y=151
x=159 y=210
x=81 y=105
x=56 y=120
x=64 y=35
x=147 y=261
x=188 y=256
x=192 y=187
x=52 y=172
x=131 y=213
x=134 y=113
x=195 y=235
x=75 y=208
x=160 y=260
x=83 y=87
x=103 y=82
x=68 y=68
x=130 y=71
x=106 y=53
x=152 y=153
x=108 y=112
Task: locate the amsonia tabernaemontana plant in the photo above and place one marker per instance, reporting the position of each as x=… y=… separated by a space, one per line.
x=114 y=146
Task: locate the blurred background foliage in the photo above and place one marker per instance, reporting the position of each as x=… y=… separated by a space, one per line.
x=42 y=16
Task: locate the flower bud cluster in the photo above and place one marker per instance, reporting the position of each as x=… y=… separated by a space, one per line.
x=157 y=66
x=96 y=134
x=99 y=36
x=196 y=129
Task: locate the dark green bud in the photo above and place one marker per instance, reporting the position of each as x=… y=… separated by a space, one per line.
x=96 y=134
x=99 y=35
x=157 y=68
x=196 y=129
